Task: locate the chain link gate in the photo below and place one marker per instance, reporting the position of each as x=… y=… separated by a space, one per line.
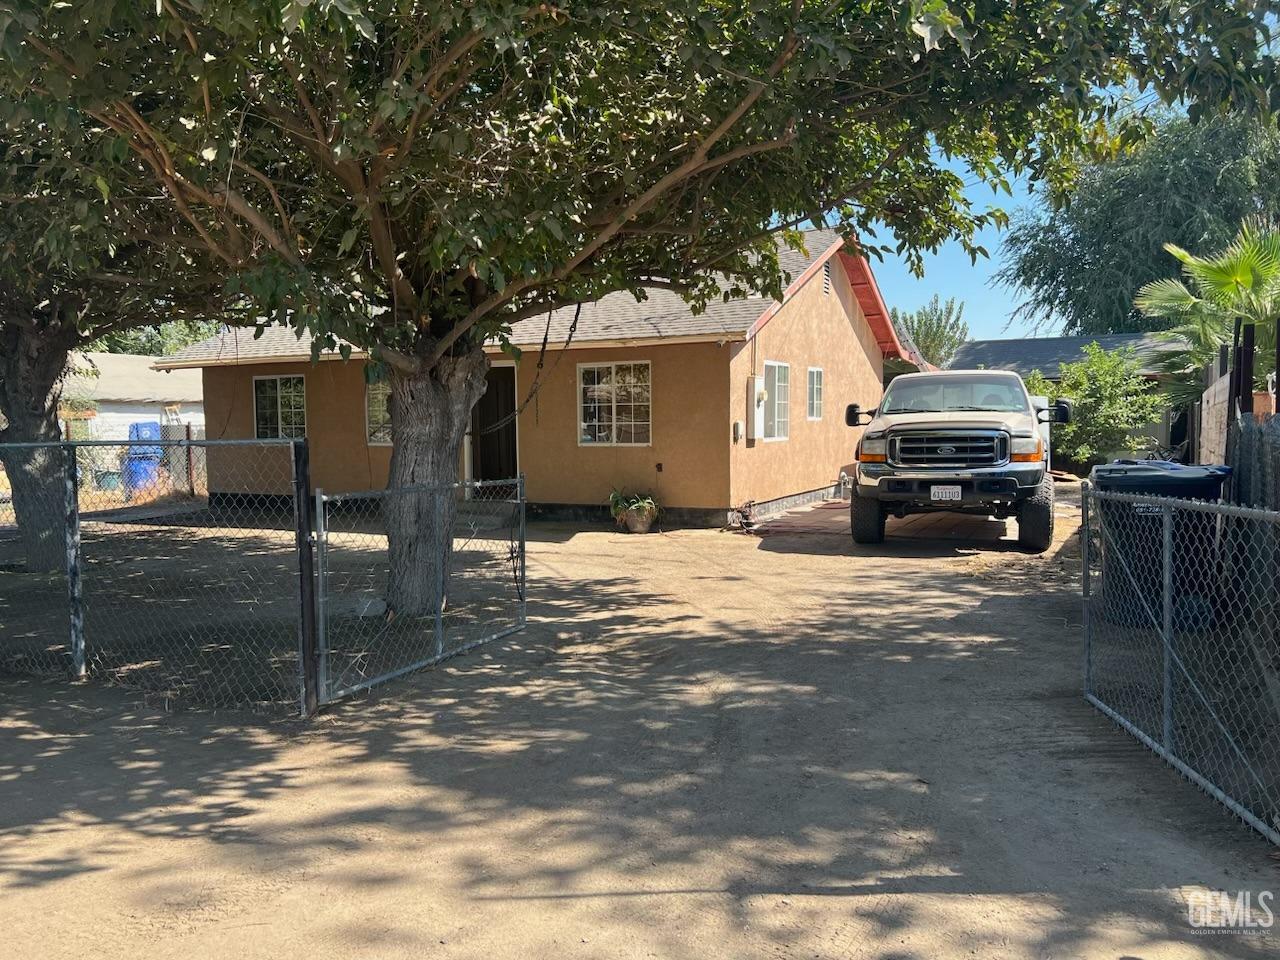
x=382 y=614
x=1182 y=639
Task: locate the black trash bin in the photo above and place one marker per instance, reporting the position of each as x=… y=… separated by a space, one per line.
x=1133 y=541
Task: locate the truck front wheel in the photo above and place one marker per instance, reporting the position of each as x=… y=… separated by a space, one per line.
x=1035 y=518
x=866 y=516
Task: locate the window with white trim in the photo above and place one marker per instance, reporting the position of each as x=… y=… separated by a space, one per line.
x=377 y=412
x=279 y=407
x=777 y=402
x=815 y=393
x=614 y=404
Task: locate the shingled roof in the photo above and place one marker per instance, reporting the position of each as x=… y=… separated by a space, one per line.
x=1048 y=354
x=664 y=315
x=233 y=345
x=128 y=378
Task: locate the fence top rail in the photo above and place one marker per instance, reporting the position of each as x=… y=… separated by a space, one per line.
x=415 y=488
x=1195 y=506
x=266 y=442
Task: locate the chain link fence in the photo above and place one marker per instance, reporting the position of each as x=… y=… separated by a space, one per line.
x=204 y=572
x=450 y=576
x=1182 y=639
x=166 y=566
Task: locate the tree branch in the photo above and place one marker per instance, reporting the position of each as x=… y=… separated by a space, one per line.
x=240 y=206
x=271 y=188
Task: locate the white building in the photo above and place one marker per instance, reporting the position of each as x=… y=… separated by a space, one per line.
x=106 y=392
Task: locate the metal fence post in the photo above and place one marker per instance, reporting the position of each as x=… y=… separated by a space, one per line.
x=191 y=464
x=75 y=594
x=1085 y=563
x=309 y=694
x=1166 y=629
x=442 y=562
x=524 y=576
x=322 y=612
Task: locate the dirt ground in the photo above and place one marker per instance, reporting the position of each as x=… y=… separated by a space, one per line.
x=708 y=745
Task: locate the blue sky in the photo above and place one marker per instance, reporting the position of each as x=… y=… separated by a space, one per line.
x=949 y=273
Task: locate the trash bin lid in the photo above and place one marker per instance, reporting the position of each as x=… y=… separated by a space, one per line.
x=1155 y=475
x=145 y=430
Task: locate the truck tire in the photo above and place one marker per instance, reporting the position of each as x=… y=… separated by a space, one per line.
x=1035 y=518
x=866 y=516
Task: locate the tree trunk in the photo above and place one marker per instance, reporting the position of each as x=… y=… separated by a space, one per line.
x=429 y=417
x=32 y=362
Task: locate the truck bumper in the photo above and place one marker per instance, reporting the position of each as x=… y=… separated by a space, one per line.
x=979 y=489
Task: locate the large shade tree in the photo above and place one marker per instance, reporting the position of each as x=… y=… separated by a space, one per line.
x=1077 y=265
x=81 y=260
x=413 y=176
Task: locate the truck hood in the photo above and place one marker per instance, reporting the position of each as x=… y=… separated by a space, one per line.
x=1017 y=424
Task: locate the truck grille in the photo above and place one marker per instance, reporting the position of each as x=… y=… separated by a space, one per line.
x=939 y=449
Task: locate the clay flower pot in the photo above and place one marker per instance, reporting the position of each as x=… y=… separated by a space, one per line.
x=639 y=519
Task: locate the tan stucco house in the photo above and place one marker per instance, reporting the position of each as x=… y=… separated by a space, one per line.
x=744 y=402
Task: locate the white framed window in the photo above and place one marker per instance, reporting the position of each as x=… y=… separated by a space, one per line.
x=377 y=413
x=279 y=407
x=777 y=403
x=615 y=404
x=815 y=393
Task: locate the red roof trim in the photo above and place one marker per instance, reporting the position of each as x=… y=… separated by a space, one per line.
x=858 y=270
x=873 y=307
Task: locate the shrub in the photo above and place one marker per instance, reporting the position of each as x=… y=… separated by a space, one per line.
x=1111 y=400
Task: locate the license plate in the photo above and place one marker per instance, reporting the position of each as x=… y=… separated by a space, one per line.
x=944 y=493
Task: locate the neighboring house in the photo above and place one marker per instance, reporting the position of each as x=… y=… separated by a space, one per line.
x=744 y=402
x=1048 y=354
x=106 y=392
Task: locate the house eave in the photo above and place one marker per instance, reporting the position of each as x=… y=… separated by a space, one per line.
x=624 y=342
x=196 y=363
x=492 y=349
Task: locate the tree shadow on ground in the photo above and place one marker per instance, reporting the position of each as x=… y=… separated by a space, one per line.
x=725 y=744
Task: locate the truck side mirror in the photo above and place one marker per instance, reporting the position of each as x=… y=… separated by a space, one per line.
x=1060 y=412
x=853 y=415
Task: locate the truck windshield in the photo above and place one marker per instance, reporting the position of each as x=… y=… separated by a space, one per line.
x=955 y=394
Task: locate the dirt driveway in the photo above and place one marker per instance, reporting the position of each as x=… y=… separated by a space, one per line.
x=709 y=745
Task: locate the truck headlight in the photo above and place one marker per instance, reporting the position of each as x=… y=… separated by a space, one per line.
x=871 y=451
x=1026 y=450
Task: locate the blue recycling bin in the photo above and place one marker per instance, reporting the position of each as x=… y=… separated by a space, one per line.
x=141 y=467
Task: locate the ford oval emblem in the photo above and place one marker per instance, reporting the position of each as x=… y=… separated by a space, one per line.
x=946 y=451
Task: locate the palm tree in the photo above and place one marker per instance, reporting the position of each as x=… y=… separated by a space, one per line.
x=1222 y=292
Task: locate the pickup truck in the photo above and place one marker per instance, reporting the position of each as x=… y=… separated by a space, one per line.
x=967 y=441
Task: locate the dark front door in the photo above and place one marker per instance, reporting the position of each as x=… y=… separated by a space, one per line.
x=493 y=428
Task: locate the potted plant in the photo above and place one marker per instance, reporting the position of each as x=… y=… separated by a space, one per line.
x=635 y=511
